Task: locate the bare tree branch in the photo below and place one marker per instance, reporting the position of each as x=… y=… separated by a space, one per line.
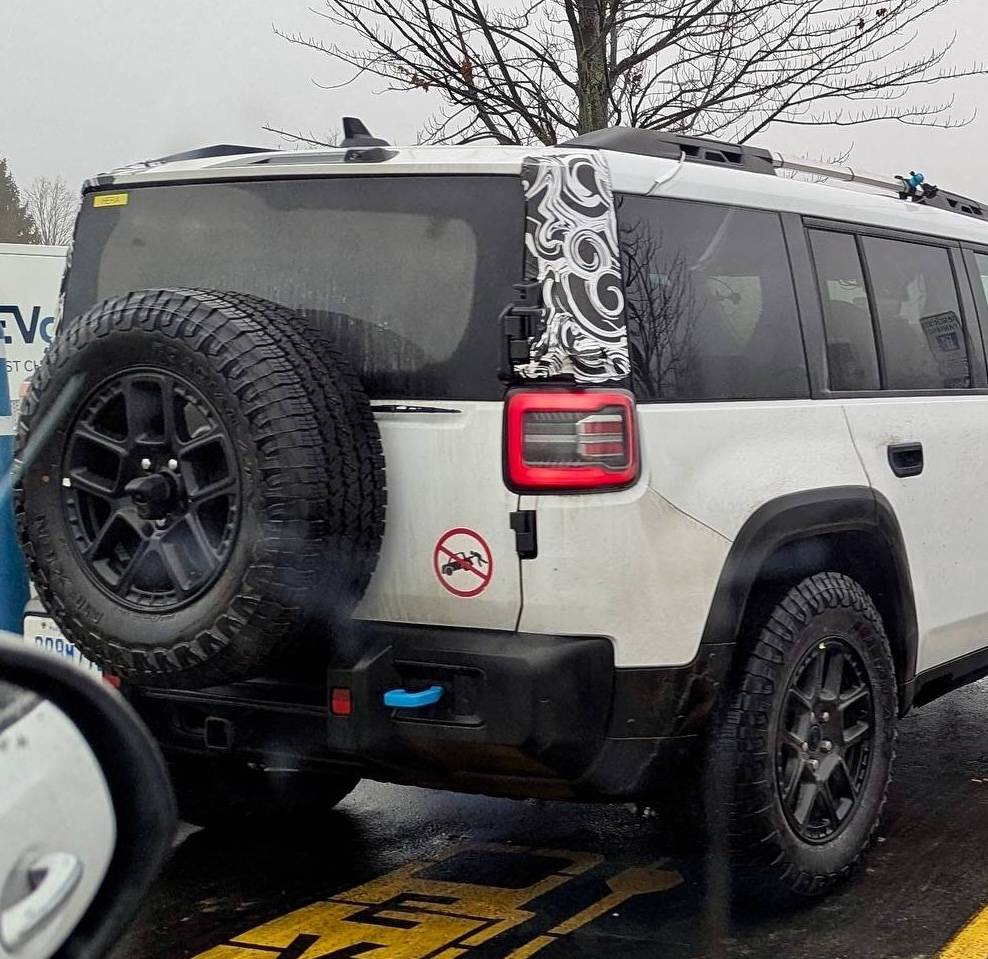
x=545 y=70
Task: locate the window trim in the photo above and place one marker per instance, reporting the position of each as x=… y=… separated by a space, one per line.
x=965 y=300
x=882 y=232
x=979 y=296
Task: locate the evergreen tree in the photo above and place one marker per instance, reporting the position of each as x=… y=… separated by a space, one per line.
x=16 y=225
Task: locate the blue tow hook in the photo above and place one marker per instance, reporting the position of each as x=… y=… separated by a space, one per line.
x=403 y=699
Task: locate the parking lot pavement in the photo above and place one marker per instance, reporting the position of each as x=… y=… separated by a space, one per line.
x=401 y=873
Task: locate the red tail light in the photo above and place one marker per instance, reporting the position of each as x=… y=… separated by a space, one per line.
x=573 y=441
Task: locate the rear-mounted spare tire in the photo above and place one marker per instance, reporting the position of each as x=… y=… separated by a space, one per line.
x=198 y=486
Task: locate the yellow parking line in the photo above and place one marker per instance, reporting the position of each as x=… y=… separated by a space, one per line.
x=971 y=942
x=531 y=947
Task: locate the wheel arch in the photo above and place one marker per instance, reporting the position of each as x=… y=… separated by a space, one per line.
x=849 y=529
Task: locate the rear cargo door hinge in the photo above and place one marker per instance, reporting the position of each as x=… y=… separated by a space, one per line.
x=526 y=535
x=522 y=322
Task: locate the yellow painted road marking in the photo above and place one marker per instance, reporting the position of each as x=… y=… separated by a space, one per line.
x=406 y=915
x=636 y=881
x=531 y=947
x=971 y=942
x=333 y=927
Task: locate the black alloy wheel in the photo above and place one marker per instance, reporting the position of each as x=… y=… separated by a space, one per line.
x=823 y=744
x=151 y=490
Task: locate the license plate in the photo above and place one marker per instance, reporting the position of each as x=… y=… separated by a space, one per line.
x=42 y=633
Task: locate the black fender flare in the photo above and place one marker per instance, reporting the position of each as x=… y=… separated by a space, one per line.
x=804 y=515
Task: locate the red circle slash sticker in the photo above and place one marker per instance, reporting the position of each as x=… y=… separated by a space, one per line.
x=463 y=562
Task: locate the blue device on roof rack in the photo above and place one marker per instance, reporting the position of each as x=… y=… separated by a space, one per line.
x=915 y=188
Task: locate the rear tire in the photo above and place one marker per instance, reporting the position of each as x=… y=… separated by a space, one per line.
x=803 y=753
x=221 y=795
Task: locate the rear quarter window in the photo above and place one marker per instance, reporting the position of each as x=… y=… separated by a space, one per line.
x=407 y=274
x=710 y=308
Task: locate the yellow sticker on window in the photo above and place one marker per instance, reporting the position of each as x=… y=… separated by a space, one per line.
x=110 y=199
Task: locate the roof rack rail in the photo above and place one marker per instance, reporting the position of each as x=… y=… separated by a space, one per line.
x=913 y=188
x=204 y=153
x=201 y=153
x=672 y=146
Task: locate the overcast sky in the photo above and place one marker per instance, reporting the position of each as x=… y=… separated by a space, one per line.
x=86 y=86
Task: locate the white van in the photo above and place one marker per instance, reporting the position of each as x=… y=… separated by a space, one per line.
x=30 y=278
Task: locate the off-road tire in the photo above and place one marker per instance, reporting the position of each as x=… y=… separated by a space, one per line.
x=307 y=452
x=745 y=815
x=347 y=423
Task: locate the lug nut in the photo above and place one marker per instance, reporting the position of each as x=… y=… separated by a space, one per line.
x=826 y=745
x=805 y=747
x=161 y=523
x=825 y=718
x=173 y=464
x=814 y=764
x=145 y=464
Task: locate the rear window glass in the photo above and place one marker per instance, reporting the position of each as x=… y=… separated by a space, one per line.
x=710 y=308
x=407 y=274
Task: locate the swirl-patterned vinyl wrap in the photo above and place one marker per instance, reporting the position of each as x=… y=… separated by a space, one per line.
x=571 y=248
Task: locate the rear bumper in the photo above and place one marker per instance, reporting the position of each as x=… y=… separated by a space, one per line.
x=520 y=714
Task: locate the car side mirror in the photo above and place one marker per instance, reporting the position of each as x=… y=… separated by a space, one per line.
x=87 y=814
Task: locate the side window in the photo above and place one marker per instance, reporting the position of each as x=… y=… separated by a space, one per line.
x=710 y=307
x=919 y=316
x=852 y=357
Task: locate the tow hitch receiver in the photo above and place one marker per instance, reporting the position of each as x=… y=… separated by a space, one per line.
x=403 y=699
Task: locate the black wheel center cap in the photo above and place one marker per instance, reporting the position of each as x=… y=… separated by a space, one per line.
x=814 y=738
x=154 y=495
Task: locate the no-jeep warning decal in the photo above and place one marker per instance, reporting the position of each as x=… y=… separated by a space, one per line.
x=463 y=562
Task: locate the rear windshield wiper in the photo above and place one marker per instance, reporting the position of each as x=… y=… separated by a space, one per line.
x=401 y=408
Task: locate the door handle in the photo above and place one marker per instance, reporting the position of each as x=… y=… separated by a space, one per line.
x=51 y=879
x=906 y=459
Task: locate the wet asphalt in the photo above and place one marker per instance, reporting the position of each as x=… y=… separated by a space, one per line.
x=404 y=873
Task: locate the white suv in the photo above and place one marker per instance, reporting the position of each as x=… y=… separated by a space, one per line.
x=684 y=475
